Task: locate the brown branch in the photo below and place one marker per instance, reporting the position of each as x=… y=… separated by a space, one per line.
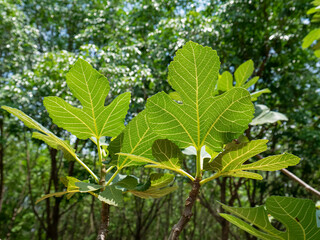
x=301 y=182
x=105 y=209
x=298 y=180
x=187 y=212
x=103 y=231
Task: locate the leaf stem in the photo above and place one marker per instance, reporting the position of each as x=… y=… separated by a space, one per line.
x=87 y=168
x=216 y=175
x=109 y=169
x=198 y=164
x=99 y=151
x=112 y=177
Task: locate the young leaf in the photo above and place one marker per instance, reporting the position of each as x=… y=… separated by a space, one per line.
x=94 y=119
x=230 y=162
x=225 y=81
x=201 y=119
x=111 y=196
x=243 y=72
x=251 y=82
x=158 y=188
x=255 y=95
x=298 y=216
x=136 y=139
x=48 y=137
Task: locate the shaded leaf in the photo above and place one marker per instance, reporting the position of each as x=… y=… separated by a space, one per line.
x=111 y=196
x=297 y=215
x=231 y=161
x=158 y=186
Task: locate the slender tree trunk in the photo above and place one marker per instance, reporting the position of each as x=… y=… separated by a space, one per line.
x=187 y=212
x=105 y=210
x=104 y=223
x=53 y=214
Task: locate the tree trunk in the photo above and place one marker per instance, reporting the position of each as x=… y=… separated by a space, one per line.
x=104 y=224
x=187 y=212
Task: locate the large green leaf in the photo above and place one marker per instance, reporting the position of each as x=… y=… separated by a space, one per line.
x=297 y=215
x=94 y=119
x=231 y=161
x=201 y=119
x=158 y=188
x=136 y=139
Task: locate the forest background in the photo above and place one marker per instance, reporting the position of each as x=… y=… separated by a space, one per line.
x=132 y=44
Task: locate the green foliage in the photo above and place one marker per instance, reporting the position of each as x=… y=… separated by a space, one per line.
x=297 y=215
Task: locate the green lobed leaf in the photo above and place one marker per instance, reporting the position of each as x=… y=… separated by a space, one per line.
x=243 y=72
x=111 y=196
x=94 y=119
x=231 y=161
x=201 y=119
x=297 y=215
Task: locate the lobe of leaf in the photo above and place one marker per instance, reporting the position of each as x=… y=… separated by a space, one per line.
x=94 y=119
x=201 y=119
x=298 y=216
x=231 y=161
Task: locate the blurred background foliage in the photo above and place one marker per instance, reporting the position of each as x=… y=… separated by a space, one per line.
x=132 y=44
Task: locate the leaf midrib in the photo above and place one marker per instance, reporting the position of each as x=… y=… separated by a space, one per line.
x=92 y=109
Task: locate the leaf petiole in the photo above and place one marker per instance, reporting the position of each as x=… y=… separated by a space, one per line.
x=216 y=175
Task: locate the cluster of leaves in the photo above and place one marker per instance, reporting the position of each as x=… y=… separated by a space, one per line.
x=205 y=111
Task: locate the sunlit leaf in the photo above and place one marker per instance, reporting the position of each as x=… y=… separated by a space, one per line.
x=201 y=119
x=94 y=119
